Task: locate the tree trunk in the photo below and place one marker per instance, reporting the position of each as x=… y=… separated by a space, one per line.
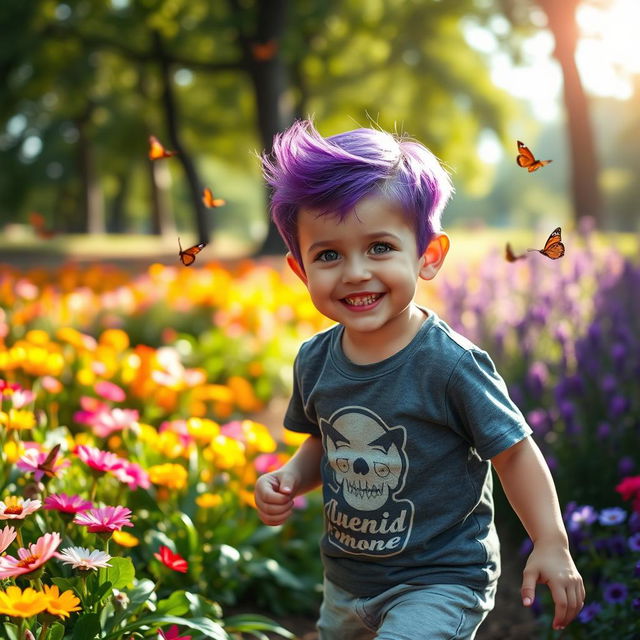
x=92 y=215
x=268 y=75
x=202 y=220
x=162 y=220
x=585 y=189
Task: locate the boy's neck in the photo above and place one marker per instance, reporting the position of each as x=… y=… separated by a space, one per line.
x=365 y=348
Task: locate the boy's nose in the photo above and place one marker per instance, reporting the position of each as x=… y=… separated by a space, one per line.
x=355 y=270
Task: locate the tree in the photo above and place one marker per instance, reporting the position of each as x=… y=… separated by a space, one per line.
x=561 y=21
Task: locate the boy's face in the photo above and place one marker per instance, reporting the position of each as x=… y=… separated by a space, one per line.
x=363 y=272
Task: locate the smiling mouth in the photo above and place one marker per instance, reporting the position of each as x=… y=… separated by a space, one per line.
x=361 y=301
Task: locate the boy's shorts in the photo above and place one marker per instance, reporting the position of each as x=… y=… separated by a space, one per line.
x=405 y=612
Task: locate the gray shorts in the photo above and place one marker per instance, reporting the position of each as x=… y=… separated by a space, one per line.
x=405 y=612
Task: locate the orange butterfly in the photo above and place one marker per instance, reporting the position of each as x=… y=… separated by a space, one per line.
x=553 y=247
x=525 y=159
x=157 y=150
x=512 y=257
x=188 y=256
x=210 y=201
x=263 y=51
x=38 y=223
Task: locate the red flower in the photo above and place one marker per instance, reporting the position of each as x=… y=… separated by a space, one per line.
x=629 y=489
x=172 y=560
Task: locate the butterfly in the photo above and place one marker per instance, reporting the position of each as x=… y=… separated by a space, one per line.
x=210 y=201
x=37 y=222
x=553 y=247
x=157 y=150
x=263 y=51
x=47 y=466
x=512 y=257
x=188 y=256
x=525 y=159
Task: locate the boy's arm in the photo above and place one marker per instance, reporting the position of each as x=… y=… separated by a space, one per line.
x=529 y=487
x=275 y=491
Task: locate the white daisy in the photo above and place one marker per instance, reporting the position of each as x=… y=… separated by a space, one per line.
x=83 y=559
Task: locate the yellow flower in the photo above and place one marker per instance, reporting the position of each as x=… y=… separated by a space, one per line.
x=258 y=437
x=18 y=419
x=125 y=539
x=209 y=500
x=202 y=429
x=13 y=450
x=117 y=339
x=173 y=476
x=22 y=604
x=60 y=604
x=225 y=452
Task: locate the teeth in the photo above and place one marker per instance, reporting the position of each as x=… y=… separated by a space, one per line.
x=360 y=302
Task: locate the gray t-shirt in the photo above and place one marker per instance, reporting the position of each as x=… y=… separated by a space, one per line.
x=406 y=480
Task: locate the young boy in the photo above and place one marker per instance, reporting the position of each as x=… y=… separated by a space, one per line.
x=405 y=417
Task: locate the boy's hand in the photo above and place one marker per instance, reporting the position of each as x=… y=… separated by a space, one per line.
x=550 y=563
x=274 y=494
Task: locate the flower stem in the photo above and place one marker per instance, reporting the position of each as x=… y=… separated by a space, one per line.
x=43 y=631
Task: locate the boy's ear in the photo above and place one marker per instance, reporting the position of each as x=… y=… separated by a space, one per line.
x=296 y=268
x=434 y=256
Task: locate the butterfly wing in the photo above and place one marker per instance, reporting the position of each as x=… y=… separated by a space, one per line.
x=510 y=256
x=188 y=256
x=210 y=201
x=553 y=247
x=525 y=158
x=157 y=150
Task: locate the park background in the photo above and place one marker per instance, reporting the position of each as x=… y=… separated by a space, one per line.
x=92 y=291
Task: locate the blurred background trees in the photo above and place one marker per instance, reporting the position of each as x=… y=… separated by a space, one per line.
x=87 y=82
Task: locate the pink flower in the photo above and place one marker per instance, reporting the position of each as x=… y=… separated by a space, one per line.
x=96 y=459
x=66 y=504
x=21 y=398
x=105 y=519
x=110 y=391
x=17 y=508
x=104 y=423
x=7 y=536
x=31 y=558
x=172 y=633
x=133 y=475
x=34 y=460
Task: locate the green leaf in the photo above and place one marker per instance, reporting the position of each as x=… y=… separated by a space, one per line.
x=212 y=630
x=67 y=583
x=139 y=594
x=248 y=622
x=87 y=627
x=56 y=632
x=11 y=631
x=121 y=573
x=202 y=607
x=176 y=604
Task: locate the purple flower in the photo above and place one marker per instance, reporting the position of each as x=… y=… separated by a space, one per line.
x=612 y=516
x=616 y=593
x=634 y=522
x=526 y=547
x=589 y=612
x=626 y=466
x=609 y=384
x=636 y=571
x=618 y=405
x=538 y=377
x=634 y=542
x=635 y=604
x=538 y=421
x=582 y=516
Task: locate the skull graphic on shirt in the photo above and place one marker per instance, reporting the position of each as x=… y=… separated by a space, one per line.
x=367 y=457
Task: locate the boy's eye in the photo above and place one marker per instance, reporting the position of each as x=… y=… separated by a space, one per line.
x=379 y=248
x=328 y=255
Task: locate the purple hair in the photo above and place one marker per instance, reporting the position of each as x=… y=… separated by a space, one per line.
x=331 y=175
